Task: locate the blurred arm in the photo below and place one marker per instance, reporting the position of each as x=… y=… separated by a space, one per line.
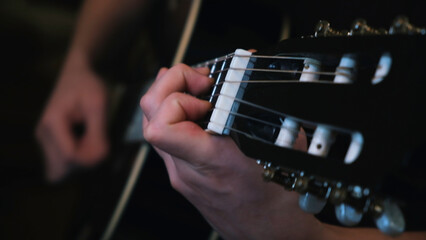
x=80 y=94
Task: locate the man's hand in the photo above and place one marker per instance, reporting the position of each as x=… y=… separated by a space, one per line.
x=210 y=171
x=79 y=98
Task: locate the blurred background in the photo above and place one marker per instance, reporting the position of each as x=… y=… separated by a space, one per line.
x=34 y=39
x=34 y=36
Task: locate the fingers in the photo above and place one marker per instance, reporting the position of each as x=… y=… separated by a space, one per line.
x=58 y=146
x=301 y=142
x=161 y=73
x=180 y=78
x=171 y=128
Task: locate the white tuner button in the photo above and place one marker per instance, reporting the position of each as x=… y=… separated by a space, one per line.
x=311 y=203
x=347 y=215
x=391 y=221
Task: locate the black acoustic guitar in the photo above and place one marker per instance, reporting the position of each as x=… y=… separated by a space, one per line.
x=358 y=98
x=271 y=79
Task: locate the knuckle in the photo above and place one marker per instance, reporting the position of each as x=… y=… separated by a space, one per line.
x=172 y=100
x=173 y=97
x=145 y=102
x=152 y=133
x=181 y=70
x=181 y=67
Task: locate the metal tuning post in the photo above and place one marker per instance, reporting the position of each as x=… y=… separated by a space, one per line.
x=287 y=180
x=313 y=193
x=351 y=205
x=401 y=25
x=347 y=215
x=345 y=72
x=388 y=217
x=351 y=202
x=360 y=27
x=323 y=29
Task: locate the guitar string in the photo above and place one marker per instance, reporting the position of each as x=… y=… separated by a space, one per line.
x=245 y=133
x=216 y=61
x=252 y=136
x=274 y=125
x=275 y=81
x=275 y=71
x=271 y=57
x=226 y=57
x=251 y=104
x=266 y=81
x=280 y=81
x=279 y=71
x=229 y=56
x=281 y=115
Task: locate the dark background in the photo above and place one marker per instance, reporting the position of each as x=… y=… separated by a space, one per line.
x=34 y=38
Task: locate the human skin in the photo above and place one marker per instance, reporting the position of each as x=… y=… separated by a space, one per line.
x=219 y=180
x=80 y=95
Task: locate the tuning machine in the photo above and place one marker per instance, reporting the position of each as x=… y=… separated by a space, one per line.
x=351 y=202
x=388 y=217
x=360 y=27
x=401 y=25
x=323 y=29
x=271 y=174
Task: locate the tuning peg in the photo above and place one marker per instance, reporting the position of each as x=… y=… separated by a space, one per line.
x=347 y=215
x=312 y=198
x=401 y=25
x=323 y=29
x=321 y=141
x=311 y=203
x=346 y=70
x=389 y=217
x=277 y=176
x=360 y=27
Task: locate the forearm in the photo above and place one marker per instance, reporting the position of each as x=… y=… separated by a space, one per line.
x=98 y=21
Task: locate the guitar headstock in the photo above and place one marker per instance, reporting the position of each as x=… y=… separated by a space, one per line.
x=356 y=96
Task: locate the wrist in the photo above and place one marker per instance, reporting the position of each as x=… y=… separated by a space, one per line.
x=77 y=60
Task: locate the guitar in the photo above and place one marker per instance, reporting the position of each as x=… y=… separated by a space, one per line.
x=356 y=96
x=127 y=197
x=112 y=223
